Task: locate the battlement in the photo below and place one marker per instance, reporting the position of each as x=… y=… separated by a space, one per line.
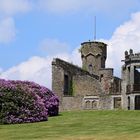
x=131 y=57
x=95 y=42
x=93 y=47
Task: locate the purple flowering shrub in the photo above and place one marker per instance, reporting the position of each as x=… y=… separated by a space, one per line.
x=24 y=101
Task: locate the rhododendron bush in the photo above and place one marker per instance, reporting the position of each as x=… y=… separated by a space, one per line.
x=24 y=101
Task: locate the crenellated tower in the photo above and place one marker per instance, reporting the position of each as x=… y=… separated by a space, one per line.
x=93 y=55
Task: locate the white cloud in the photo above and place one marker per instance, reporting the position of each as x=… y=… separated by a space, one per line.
x=75 y=57
x=38 y=69
x=35 y=69
x=7 y=30
x=125 y=37
x=8 y=8
x=11 y=7
x=61 y=5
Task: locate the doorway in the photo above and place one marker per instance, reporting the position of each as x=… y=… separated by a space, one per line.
x=137 y=102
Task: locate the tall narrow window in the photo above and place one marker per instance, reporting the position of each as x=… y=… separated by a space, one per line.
x=87 y=105
x=137 y=102
x=128 y=102
x=90 y=67
x=66 y=85
x=94 y=104
x=101 y=76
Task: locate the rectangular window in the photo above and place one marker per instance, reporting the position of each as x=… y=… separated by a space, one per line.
x=117 y=102
x=67 y=85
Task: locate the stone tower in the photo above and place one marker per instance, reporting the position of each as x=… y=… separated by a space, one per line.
x=131 y=81
x=93 y=56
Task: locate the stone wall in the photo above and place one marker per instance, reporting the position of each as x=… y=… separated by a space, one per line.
x=87 y=91
x=106 y=77
x=110 y=84
x=105 y=102
x=83 y=84
x=57 y=81
x=93 y=56
x=116 y=86
x=94 y=86
x=109 y=102
x=86 y=85
x=71 y=103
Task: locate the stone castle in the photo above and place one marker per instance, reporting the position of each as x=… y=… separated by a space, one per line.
x=94 y=86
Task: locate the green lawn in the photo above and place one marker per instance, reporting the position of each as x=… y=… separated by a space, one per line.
x=79 y=125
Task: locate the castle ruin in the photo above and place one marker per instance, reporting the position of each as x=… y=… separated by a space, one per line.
x=94 y=86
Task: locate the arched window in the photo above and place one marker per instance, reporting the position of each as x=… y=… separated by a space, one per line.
x=87 y=105
x=90 y=68
x=94 y=104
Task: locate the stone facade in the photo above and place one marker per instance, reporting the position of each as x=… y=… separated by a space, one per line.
x=71 y=83
x=93 y=56
x=94 y=86
x=131 y=81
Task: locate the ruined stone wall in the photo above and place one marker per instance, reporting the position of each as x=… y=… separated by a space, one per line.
x=105 y=102
x=109 y=102
x=106 y=77
x=70 y=68
x=116 y=86
x=86 y=85
x=83 y=83
x=58 y=81
x=83 y=86
x=110 y=84
x=125 y=74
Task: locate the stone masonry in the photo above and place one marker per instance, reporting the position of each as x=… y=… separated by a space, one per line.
x=94 y=86
x=131 y=81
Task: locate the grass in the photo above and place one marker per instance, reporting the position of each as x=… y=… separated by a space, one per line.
x=78 y=125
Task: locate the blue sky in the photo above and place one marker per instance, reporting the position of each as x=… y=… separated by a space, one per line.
x=33 y=32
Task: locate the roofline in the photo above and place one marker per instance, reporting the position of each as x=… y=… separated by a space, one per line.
x=96 y=42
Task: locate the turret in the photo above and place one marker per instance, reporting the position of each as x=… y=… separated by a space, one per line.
x=93 y=55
